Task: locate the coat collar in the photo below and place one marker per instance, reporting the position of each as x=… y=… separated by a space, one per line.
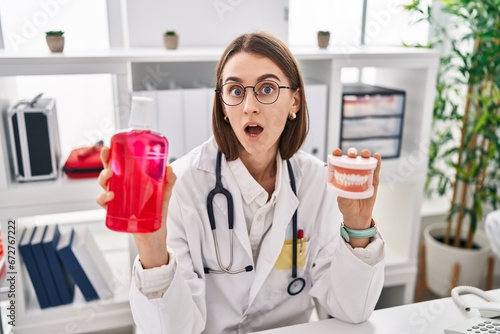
x=206 y=161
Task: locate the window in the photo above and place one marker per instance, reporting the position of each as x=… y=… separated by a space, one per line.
x=307 y=17
x=386 y=23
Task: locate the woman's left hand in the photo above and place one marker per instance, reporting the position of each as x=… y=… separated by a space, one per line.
x=358 y=212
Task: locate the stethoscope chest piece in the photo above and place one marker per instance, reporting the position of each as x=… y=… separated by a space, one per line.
x=296 y=286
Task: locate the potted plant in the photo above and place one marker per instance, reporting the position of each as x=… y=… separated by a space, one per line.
x=170 y=39
x=323 y=39
x=464 y=152
x=55 y=40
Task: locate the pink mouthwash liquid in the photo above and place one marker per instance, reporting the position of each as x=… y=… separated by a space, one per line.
x=138 y=160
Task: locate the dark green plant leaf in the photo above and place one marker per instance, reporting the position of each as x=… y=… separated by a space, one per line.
x=463 y=67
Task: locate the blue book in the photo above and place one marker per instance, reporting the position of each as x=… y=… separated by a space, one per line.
x=43 y=266
x=93 y=262
x=33 y=272
x=74 y=268
x=64 y=284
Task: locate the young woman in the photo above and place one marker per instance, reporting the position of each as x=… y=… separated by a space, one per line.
x=192 y=278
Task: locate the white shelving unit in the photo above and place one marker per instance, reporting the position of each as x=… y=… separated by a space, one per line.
x=19 y=200
x=400 y=194
x=402 y=180
x=80 y=316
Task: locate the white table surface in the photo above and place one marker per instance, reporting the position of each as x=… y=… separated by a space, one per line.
x=425 y=317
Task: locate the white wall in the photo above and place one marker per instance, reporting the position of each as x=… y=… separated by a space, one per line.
x=25 y=22
x=84 y=103
x=201 y=22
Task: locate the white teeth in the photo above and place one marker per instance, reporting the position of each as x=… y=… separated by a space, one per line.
x=252 y=126
x=350 y=179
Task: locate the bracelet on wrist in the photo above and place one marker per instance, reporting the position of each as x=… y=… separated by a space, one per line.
x=348 y=233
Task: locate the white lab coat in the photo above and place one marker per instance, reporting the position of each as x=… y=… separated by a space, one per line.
x=196 y=302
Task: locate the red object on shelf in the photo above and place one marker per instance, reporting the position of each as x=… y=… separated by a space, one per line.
x=84 y=162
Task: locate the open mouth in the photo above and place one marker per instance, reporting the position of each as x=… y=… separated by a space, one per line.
x=253 y=130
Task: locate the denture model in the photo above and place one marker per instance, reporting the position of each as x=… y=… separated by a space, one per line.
x=351 y=177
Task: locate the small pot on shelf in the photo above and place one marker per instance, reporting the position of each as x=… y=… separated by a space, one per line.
x=323 y=39
x=55 y=40
x=170 y=40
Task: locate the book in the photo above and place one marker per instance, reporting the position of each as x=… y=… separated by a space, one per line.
x=68 y=258
x=93 y=262
x=30 y=264
x=43 y=266
x=64 y=284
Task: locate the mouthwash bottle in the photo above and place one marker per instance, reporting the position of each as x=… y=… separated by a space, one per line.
x=138 y=159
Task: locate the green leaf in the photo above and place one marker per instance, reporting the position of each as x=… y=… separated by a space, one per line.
x=54 y=33
x=461 y=67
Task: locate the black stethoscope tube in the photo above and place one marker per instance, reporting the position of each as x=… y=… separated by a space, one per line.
x=297 y=284
x=294 y=220
x=219 y=189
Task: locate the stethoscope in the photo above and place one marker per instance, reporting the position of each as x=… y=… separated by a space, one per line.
x=296 y=284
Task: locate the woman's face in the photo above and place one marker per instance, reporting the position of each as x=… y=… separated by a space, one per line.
x=258 y=126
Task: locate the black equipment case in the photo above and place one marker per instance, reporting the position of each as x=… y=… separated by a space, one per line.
x=34 y=139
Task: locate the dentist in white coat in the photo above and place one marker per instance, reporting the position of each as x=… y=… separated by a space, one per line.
x=189 y=278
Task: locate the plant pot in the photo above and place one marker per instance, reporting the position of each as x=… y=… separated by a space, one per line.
x=440 y=259
x=171 y=41
x=55 y=43
x=323 y=41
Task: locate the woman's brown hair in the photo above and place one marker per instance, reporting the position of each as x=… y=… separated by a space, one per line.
x=271 y=47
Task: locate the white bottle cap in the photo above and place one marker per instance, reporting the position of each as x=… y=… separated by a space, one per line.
x=141 y=113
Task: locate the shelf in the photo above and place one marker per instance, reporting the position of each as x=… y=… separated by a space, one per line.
x=25 y=63
x=84 y=316
x=39 y=63
x=43 y=197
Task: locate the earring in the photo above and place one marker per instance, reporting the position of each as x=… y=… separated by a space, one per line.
x=226 y=119
x=292 y=116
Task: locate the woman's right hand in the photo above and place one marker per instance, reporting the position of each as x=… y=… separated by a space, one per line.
x=152 y=247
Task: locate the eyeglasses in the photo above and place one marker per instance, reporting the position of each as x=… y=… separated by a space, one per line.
x=266 y=92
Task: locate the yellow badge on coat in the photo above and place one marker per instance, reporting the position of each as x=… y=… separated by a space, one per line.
x=285 y=260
